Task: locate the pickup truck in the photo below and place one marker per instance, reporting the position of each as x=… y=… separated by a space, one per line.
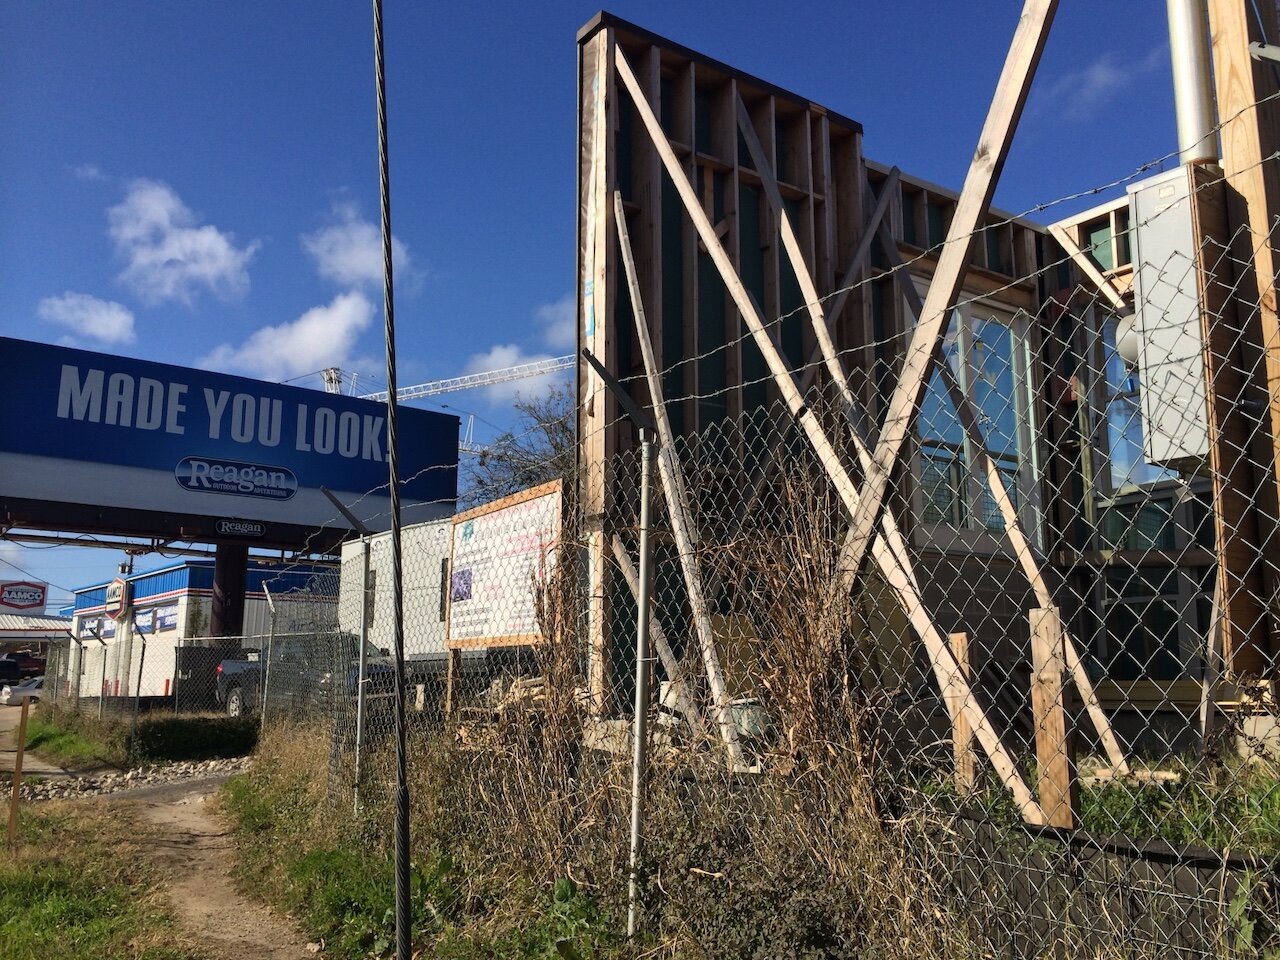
x=301 y=673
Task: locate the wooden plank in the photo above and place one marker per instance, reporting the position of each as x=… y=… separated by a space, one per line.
x=962 y=745
x=1018 y=540
x=1241 y=569
x=16 y=789
x=944 y=665
x=595 y=405
x=971 y=209
x=658 y=637
x=1055 y=773
x=1250 y=142
x=1088 y=268
x=673 y=490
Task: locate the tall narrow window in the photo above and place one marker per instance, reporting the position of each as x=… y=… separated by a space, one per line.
x=987 y=353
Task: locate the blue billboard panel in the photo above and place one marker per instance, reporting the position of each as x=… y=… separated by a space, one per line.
x=96 y=429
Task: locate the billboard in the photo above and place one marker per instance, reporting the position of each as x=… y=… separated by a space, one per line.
x=170 y=450
x=501 y=554
x=22 y=595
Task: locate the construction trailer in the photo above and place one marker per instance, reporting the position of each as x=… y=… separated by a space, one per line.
x=733 y=197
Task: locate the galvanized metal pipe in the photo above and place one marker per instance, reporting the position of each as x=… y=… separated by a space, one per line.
x=362 y=673
x=1192 y=80
x=641 y=722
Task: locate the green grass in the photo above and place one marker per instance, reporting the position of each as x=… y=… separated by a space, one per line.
x=335 y=874
x=78 y=890
x=82 y=740
x=69 y=748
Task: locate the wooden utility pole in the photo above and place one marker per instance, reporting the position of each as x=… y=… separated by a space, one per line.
x=1250 y=133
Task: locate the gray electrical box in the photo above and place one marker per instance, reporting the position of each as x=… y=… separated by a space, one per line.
x=1175 y=429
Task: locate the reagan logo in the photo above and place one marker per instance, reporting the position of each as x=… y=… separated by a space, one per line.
x=241 y=528
x=208 y=475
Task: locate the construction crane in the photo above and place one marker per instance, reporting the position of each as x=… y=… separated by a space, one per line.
x=520 y=371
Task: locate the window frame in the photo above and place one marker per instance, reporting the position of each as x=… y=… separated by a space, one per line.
x=975 y=536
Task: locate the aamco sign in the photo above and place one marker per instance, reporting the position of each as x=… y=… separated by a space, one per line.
x=109 y=431
x=117 y=599
x=23 y=595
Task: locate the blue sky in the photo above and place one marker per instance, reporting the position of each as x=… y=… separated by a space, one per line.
x=197 y=182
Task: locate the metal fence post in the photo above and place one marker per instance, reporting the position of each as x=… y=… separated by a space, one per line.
x=640 y=727
x=265 y=672
x=102 y=685
x=363 y=661
x=137 y=690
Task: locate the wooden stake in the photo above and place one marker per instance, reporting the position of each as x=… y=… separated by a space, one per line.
x=450 y=677
x=971 y=208
x=966 y=758
x=940 y=657
x=967 y=413
x=682 y=527
x=1049 y=712
x=17 y=774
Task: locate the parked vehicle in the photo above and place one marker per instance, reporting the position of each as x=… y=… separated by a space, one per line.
x=300 y=677
x=26 y=665
x=10 y=672
x=14 y=693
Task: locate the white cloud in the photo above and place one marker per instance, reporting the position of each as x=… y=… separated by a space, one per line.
x=102 y=320
x=1082 y=94
x=88 y=171
x=321 y=337
x=168 y=255
x=349 y=251
x=560 y=322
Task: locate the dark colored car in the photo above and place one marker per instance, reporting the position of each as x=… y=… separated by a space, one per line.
x=300 y=677
x=10 y=672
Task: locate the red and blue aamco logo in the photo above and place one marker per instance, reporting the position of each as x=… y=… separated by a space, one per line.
x=22 y=594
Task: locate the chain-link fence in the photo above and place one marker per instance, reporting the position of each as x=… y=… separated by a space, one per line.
x=1033 y=715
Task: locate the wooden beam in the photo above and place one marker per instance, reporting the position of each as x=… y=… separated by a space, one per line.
x=1089 y=268
x=1021 y=545
x=971 y=210
x=944 y=665
x=1250 y=133
x=1249 y=118
x=966 y=758
x=596 y=406
x=1049 y=712
x=673 y=490
x=658 y=637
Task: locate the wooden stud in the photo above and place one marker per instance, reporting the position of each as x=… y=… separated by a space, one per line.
x=1088 y=268
x=1018 y=540
x=1049 y=712
x=658 y=637
x=944 y=665
x=1238 y=494
x=971 y=209
x=673 y=490
x=596 y=408
x=962 y=744
x=1250 y=134
x=17 y=773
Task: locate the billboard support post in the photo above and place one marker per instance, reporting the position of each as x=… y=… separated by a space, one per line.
x=230 y=571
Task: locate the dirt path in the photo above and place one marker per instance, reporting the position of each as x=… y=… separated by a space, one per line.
x=193 y=848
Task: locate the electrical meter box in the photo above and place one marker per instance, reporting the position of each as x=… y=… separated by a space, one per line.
x=1166 y=276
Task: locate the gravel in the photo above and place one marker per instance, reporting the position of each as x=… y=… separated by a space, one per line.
x=92 y=785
